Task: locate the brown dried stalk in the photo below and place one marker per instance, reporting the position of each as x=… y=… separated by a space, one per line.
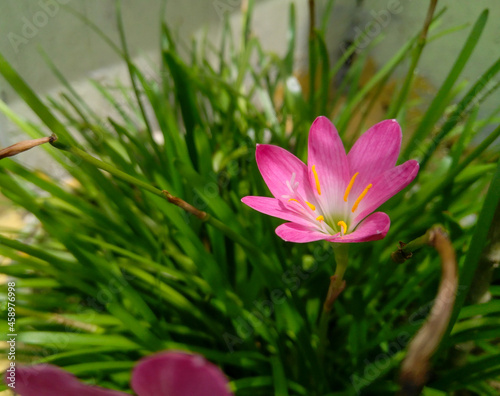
x=312 y=18
x=184 y=205
x=25 y=145
x=416 y=365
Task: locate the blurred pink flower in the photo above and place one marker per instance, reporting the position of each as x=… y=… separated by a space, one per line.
x=334 y=195
x=166 y=373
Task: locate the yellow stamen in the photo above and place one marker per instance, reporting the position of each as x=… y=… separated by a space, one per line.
x=293 y=199
x=343 y=227
x=320 y=218
x=348 y=189
x=361 y=196
x=318 y=187
x=310 y=205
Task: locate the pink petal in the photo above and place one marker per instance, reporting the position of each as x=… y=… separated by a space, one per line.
x=178 y=374
x=373 y=228
x=48 y=380
x=298 y=233
x=375 y=152
x=274 y=207
x=385 y=186
x=326 y=153
x=277 y=167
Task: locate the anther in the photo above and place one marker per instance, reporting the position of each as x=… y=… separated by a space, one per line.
x=361 y=196
x=318 y=187
x=313 y=208
x=348 y=189
x=320 y=218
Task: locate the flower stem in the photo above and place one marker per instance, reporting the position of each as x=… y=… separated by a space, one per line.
x=337 y=285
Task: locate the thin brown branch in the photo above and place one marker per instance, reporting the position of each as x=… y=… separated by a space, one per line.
x=416 y=365
x=312 y=18
x=184 y=205
x=25 y=145
x=428 y=20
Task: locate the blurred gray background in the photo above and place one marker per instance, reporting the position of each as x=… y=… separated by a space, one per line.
x=28 y=25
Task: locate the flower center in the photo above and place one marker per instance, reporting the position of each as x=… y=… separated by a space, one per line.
x=343 y=227
x=298 y=203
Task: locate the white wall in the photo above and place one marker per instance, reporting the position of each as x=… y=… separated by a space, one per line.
x=399 y=20
x=73 y=46
x=26 y=25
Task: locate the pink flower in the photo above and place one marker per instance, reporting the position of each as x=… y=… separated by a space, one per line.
x=166 y=373
x=334 y=195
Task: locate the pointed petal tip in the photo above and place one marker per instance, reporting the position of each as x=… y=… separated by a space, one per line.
x=262 y=146
x=395 y=124
x=321 y=121
x=413 y=167
x=258 y=146
x=273 y=207
x=391 y=123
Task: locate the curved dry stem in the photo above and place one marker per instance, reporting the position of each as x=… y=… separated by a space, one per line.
x=184 y=205
x=417 y=362
x=25 y=145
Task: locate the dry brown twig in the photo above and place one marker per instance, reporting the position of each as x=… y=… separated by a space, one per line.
x=184 y=205
x=25 y=145
x=416 y=365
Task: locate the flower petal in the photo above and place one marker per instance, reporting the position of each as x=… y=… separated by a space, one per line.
x=326 y=153
x=48 y=380
x=385 y=186
x=375 y=152
x=373 y=228
x=276 y=208
x=178 y=374
x=291 y=232
x=277 y=167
